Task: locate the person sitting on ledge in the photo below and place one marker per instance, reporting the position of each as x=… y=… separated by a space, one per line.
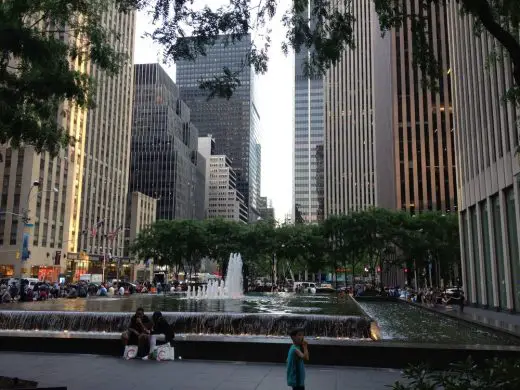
x=139 y=331
x=160 y=326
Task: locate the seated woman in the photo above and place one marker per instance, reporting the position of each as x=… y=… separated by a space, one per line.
x=160 y=326
x=139 y=331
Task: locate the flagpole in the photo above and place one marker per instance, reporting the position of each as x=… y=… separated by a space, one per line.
x=104 y=258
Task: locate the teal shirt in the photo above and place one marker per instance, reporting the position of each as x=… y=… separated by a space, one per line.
x=295 y=368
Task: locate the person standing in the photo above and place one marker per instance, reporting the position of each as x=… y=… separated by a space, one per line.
x=298 y=353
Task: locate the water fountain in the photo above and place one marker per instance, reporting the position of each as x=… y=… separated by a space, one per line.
x=189 y=323
x=231 y=288
x=196 y=322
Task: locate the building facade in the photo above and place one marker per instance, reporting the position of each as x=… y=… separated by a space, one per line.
x=309 y=119
x=358 y=163
x=234 y=122
x=141 y=213
x=49 y=192
x=200 y=188
x=223 y=199
x=486 y=141
x=102 y=208
x=164 y=144
x=424 y=149
x=266 y=209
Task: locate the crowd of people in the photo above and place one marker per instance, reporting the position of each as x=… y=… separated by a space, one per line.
x=20 y=290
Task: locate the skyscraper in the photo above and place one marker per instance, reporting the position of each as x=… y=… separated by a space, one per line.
x=488 y=159
x=423 y=122
x=309 y=119
x=107 y=151
x=52 y=190
x=222 y=199
x=358 y=106
x=418 y=173
x=164 y=145
x=234 y=123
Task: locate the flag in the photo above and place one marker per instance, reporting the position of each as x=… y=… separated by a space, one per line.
x=114 y=234
x=96 y=227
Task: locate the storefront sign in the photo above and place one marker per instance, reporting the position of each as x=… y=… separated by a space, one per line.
x=72 y=256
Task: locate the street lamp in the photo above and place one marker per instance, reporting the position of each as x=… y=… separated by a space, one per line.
x=25 y=254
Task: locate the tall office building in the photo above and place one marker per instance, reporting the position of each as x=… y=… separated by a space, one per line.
x=423 y=122
x=164 y=145
x=234 y=123
x=308 y=144
x=102 y=208
x=222 y=198
x=488 y=159
x=49 y=190
x=358 y=115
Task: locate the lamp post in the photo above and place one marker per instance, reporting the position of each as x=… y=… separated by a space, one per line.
x=110 y=236
x=25 y=253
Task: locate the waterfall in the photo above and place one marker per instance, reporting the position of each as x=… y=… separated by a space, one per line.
x=192 y=323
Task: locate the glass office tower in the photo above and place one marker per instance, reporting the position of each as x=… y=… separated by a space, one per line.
x=308 y=144
x=234 y=123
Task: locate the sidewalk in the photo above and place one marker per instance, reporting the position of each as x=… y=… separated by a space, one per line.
x=89 y=372
x=501 y=321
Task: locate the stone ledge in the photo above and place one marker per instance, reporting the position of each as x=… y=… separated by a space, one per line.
x=323 y=352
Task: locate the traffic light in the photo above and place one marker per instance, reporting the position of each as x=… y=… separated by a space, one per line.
x=406 y=270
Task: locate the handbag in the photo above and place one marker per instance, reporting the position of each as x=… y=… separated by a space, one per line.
x=164 y=352
x=130 y=352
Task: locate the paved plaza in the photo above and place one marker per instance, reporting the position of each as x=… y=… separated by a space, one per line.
x=90 y=372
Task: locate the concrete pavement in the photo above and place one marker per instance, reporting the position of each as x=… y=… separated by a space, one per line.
x=90 y=372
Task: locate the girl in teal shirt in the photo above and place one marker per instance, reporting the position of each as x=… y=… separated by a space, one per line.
x=297 y=354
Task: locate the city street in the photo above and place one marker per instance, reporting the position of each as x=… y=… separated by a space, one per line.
x=89 y=372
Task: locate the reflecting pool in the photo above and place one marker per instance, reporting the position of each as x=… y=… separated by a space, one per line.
x=400 y=321
x=281 y=303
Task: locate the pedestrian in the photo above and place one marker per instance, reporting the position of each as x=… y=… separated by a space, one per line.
x=298 y=353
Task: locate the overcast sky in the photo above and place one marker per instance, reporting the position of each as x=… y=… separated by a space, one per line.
x=275 y=104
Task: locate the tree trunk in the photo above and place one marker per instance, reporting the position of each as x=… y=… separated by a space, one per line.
x=483 y=11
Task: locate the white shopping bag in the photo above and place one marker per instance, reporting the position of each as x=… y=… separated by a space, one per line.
x=130 y=352
x=165 y=352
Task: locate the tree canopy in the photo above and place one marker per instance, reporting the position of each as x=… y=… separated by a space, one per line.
x=331 y=31
x=374 y=238
x=36 y=76
x=40 y=41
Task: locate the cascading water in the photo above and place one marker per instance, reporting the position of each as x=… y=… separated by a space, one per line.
x=191 y=323
x=231 y=288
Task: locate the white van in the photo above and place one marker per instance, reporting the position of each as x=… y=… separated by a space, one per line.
x=32 y=282
x=305 y=287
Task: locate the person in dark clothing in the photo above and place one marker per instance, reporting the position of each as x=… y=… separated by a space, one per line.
x=139 y=331
x=161 y=326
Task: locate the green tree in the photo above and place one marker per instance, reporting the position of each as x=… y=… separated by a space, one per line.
x=258 y=247
x=38 y=40
x=160 y=242
x=223 y=238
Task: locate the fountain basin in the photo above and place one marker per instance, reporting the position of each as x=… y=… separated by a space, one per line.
x=354 y=327
x=262 y=349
